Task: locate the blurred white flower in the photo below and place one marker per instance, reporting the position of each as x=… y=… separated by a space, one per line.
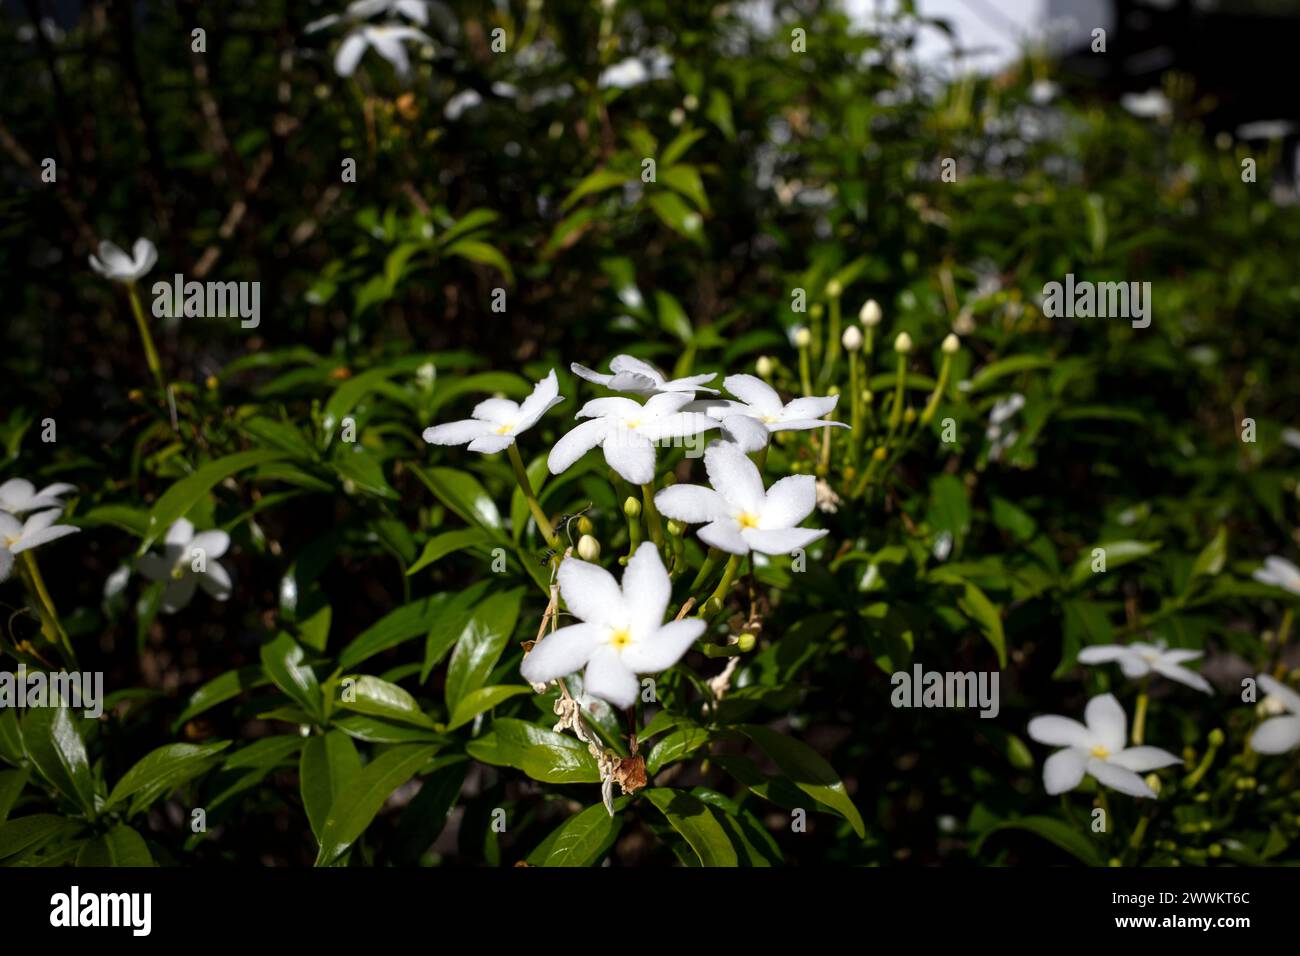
x=417 y=11
x=1280 y=573
x=1139 y=659
x=19 y=496
x=622 y=634
x=19 y=536
x=641 y=378
x=497 y=422
x=750 y=423
x=1278 y=734
x=627 y=431
x=113 y=263
x=1097 y=749
x=737 y=514
x=1152 y=104
x=387 y=39
x=188 y=560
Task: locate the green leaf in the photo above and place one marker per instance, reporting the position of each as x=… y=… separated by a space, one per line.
x=282 y=659
x=686 y=180
x=25 y=832
x=463 y=494
x=809 y=772
x=437 y=548
x=676 y=215
x=426 y=814
x=676 y=746
x=364 y=796
x=120 y=846
x=176 y=501
x=327 y=763
x=374 y=730
x=161 y=771
x=485 y=698
x=975 y=604
x=1118 y=554
x=584 y=838
x=55 y=747
x=1078 y=845
x=397 y=626
x=601 y=180
x=475 y=250
x=378 y=698
x=480 y=645
x=559 y=764
x=1210 y=560
x=219 y=690
x=694 y=820
x=11 y=786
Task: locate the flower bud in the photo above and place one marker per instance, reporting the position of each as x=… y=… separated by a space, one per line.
x=746 y=642
x=585 y=526
x=903 y=343
x=802 y=338
x=881 y=453
x=676 y=528
x=632 y=507
x=1216 y=737
x=834 y=288
x=588 y=548
x=951 y=344
x=765 y=366
x=1153 y=782
x=691 y=101
x=851 y=339
x=870 y=313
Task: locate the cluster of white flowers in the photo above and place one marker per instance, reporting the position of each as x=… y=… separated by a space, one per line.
x=622 y=634
x=19 y=497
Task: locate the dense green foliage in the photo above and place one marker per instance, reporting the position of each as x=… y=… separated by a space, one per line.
x=384 y=589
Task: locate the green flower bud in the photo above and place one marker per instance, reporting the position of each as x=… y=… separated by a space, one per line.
x=746 y=642
x=632 y=507
x=585 y=526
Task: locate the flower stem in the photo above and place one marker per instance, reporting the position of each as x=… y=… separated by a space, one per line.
x=805 y=374
x=855 y=407
x=896 y=413
x=945 y=369
x=719 y=594
x=54 y=628
x=1140 y=717
x=521 y=475
x=760 y=459
x=710 y=562
x=654 y=525
x=832 y=352
x=146 y=337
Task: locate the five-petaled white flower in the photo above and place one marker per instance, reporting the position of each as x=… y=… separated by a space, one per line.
x=417 y=11
x=1139 y=660
x=188 y=559
x=1097 y=749
x=738 y=515
x=113 y=263
x=622 y=634
x=19 y=496
x=387 y=39
x=1278 y=734
x=750 y=422
x=1280 y=573
x=497 y=422
x=641 y=378
x=627 y=431
x=19 y=536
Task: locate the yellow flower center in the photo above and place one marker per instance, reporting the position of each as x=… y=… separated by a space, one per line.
x=504 y=429
x=1100 y=752
x=632 y=422
x=770 y=419
x=620 y=638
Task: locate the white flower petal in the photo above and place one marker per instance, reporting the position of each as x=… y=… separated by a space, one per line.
x=15 y=493
x=1107 y=722
x=215 y=580
x=1059 y=732
x=1276 y=735
x=545 y=396
x=806 y=408
x=745 y=432
x=498 y=411
x=590 y=374
x=178 y=593
x=788 y=502
x=562 y=653
x=734 y=477
x=1182 y=675
x=1102 y=653
x=781 y=540
x=388 y=43
x=691 y=504
x=213 y=543
x=1275 y=688
x=349 y=54
x=575 y=444
x=10 y=527
x=646 y=590
x=663 y=647
x=457 y=433
x=691 y=383
x=725 y=536
x=491 y=444
x=1143 y=759
x=622 y=409
x=677 y=426
x=1117 y=778
x=608 y=678
x=6 y=563
x=631 y=365
x=180 y=533
x=42 y=536
x=1063 y=770
x=143 y=256
x=591 y=593
x=754 y=392
x=631 y=455
x=665 y=404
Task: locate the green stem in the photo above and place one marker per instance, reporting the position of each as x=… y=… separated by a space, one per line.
x=896 y=413
x=760 y=459
x=146 y=337
x=805 y=372
x=706 y=569
x=54 y=629
x=526 y=486
x=832 y=352
x=932 y=405
x=1140 y=717
x=855 y=408
x=720 y=592
x=654 y=524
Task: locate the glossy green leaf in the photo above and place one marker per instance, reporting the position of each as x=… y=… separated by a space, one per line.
x=161 y=771
x=176 y=501
x=808 y=771
x=366 y=694
x=120 y=846
x=328 y=762
x=364 y=795
x=694 y=820
x=481 y=644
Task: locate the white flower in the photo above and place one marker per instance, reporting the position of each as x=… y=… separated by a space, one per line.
x=749 y=423
x=1280 y=573
x=113 y=263
x=183 y=550
x=622 y=634
x=738 y=515
x=627 y=431
x=19 y=496
x=1097 y=749
x=1139 y=660
x=417 y=11
x=641 y=378
x=1279 y=734
x=497 y=422
x=19 y=536
x=387 y=40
